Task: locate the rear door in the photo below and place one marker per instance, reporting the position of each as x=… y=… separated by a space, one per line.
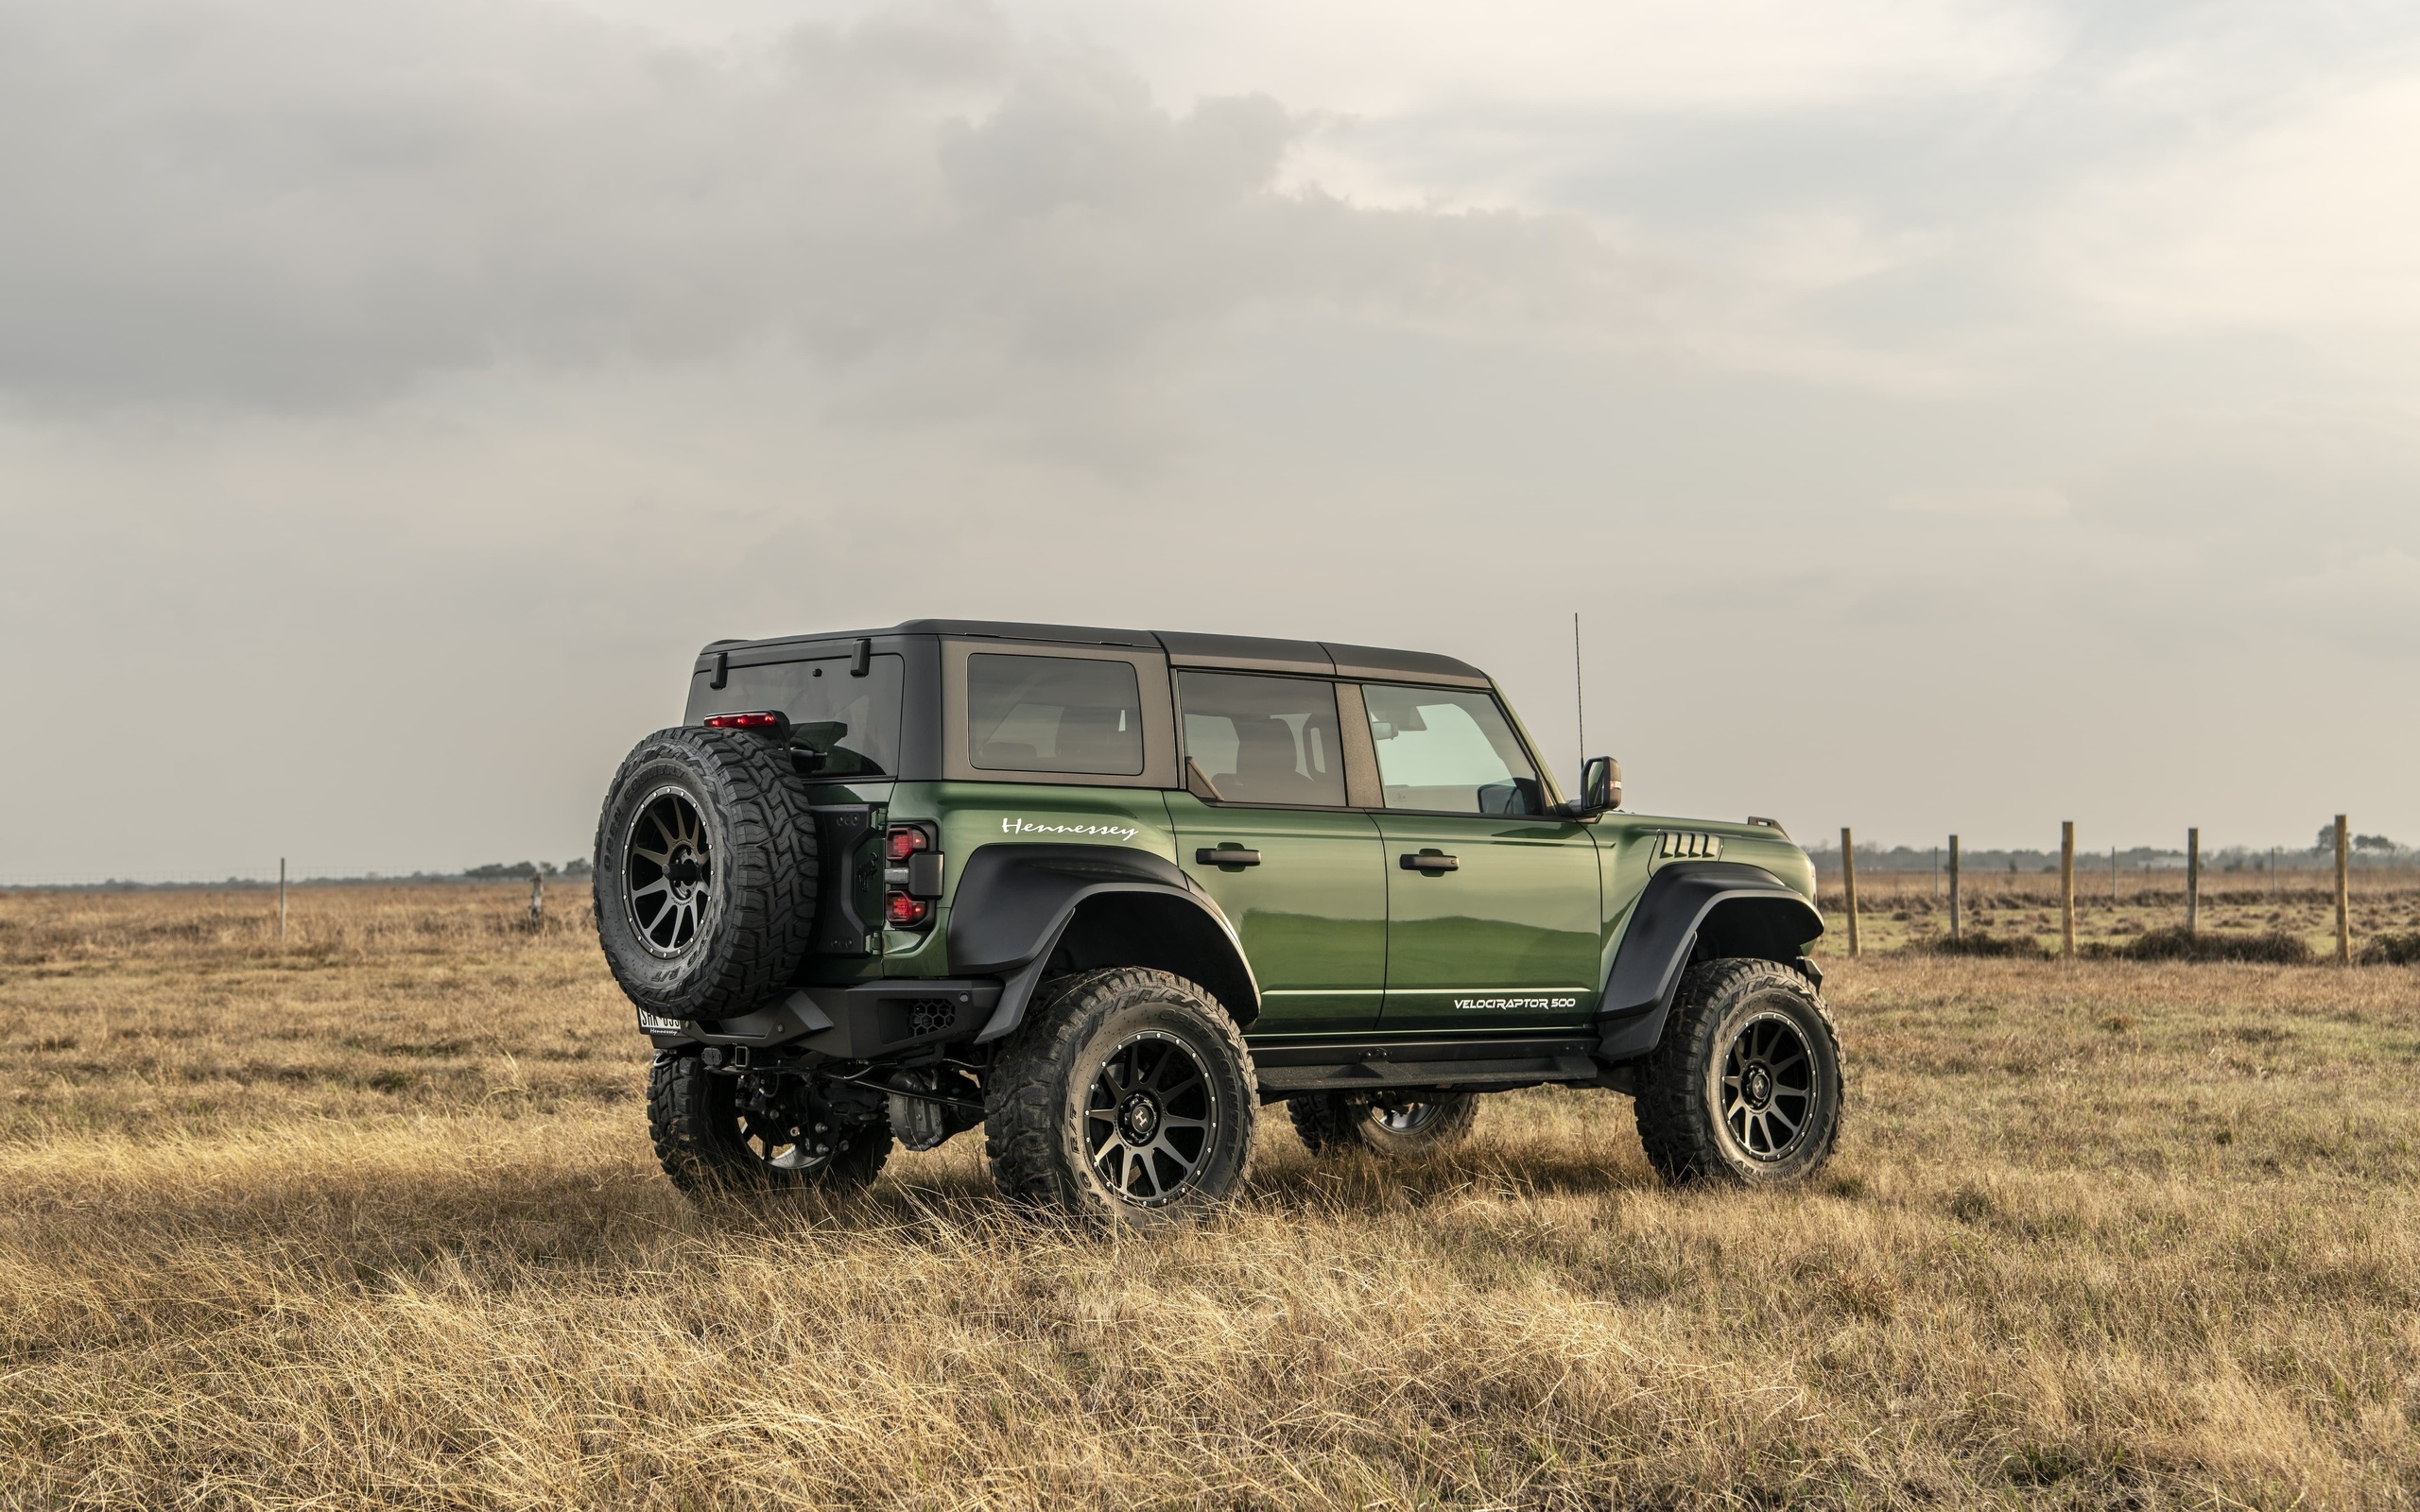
x=1263 y=827
x=1492 y=909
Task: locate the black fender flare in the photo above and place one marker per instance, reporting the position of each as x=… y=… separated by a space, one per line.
x=1760 y=909
x=1013 y=904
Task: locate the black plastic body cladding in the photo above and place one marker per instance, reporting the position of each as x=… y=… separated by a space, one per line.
x=1752 y=910
x=1016 y=905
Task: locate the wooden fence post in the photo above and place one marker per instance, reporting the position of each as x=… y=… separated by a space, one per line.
x=1953 y=888
x=2344 y=894
x=2192 y=878
x=280 y=897
x=2067 y=887
x=1848 y=884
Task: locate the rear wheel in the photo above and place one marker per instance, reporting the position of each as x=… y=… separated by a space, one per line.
x=718 y=1133
x=1128 y=1097
x=1389 y=1124
x=1745 y=1085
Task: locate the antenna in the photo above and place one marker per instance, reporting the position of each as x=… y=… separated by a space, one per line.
x=1579 y=700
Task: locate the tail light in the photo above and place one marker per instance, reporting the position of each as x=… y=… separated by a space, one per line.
x=911 y=875
x=772 y=722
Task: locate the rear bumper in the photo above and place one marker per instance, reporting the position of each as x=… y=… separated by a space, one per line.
x=861 y=1021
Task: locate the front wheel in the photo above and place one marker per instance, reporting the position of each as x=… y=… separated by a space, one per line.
x=1126 y=1096
x=1397 y=1123
x=716 y=1133
x=1745 y=1085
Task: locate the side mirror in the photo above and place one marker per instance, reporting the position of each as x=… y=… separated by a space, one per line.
x=1600 y=787
x=1519 y=795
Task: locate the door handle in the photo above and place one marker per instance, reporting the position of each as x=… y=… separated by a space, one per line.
x=1226 y=856
x=1428 y=862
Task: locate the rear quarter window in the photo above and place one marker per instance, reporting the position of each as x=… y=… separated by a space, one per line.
x=1052 y=713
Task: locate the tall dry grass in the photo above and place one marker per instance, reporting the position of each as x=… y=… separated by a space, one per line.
x=368 y=1220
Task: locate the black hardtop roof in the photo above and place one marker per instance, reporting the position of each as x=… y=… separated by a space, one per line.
x=1185 y=648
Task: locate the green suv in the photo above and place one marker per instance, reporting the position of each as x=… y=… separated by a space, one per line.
x=1109 y=892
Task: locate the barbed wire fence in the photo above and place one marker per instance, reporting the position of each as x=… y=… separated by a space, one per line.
x=2340 y=856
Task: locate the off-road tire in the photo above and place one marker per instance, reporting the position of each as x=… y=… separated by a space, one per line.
x=1042 y=1131
x=755 y=912
x=693 y=1117
x=1681 y=1097
x=1344 y=1123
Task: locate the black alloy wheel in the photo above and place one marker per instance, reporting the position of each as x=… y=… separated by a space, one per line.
x=1394 y=1124
x=1768 y=1087
x=719 y=1133
x=667 y=870
x=1745 y=1085
x=1126 y=1097
x=1150 y=1118
x=706 y=872
x=783 y=1133
x=1406 y=1117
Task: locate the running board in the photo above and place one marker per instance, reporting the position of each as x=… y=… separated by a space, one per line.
x=1290 y=1070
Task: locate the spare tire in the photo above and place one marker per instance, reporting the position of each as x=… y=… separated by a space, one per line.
x=705 y=873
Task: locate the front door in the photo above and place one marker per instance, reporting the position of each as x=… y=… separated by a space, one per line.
x=1265 y=832
x=1492 y=913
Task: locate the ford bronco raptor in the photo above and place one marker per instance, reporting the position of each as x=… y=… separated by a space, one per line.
x=1107 y=893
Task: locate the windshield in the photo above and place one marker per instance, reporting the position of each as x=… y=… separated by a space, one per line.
x=842 y=726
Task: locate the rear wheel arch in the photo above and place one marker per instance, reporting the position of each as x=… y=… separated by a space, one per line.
x=1028 y=912
x=1160 y=932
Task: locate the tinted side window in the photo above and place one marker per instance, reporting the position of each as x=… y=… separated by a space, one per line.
x=1053 y=714
x=1449 y=752
x=1262 y=740
x=842 y=726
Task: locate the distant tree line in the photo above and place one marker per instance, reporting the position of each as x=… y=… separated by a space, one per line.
x=2368 y=851
x=498 y=871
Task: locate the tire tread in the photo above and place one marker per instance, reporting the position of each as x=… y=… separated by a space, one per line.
x=1025 y=1089
x=766 y=884
x=1675 y=1126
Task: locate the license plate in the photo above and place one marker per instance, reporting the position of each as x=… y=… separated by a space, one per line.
x=656 y=1023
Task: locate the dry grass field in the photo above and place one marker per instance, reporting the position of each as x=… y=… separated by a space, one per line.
x=366 y=1219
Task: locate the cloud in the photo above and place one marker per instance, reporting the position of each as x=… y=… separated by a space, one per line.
x=273 y=203
x=1997 y=502
x=2305 y=221
x=1723 y=57
x=345 y=347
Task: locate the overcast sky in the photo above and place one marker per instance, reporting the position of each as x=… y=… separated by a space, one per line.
x=1947 y=414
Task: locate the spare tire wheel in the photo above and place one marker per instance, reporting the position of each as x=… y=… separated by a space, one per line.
x=705 y=873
